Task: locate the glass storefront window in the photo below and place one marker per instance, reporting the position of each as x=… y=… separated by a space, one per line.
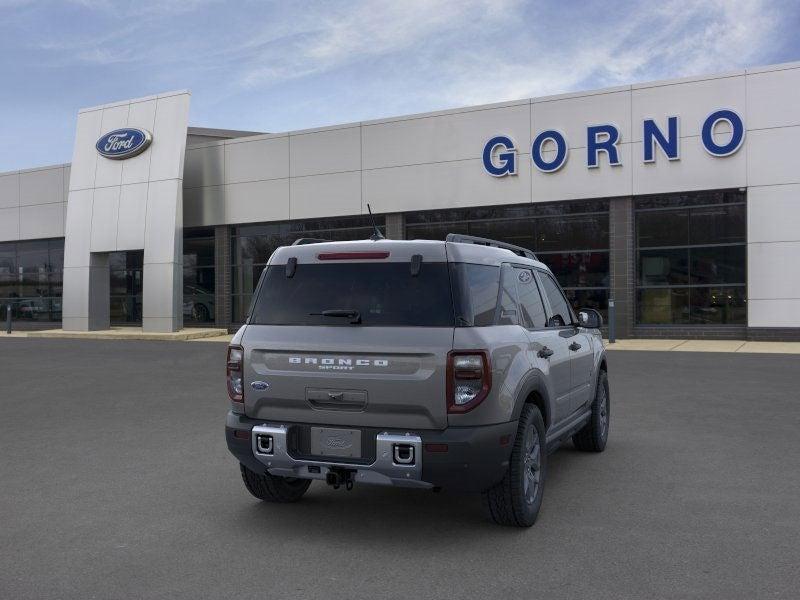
x=126 y=287
x=691 y=259
x=572 y=238
x=30 y=279
x=199 y=276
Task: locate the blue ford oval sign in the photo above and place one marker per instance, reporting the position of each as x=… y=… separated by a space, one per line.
x=123 y=143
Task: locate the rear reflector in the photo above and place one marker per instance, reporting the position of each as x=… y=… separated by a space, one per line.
x=352 y=255
x=435 y=447
x=242 y=434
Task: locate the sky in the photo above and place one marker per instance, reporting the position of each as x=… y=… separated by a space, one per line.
x=283 y=65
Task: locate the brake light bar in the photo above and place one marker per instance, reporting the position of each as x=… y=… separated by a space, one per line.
x=352 y=255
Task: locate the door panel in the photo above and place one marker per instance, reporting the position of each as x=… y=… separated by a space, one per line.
x=581 y=365
x=556 y=368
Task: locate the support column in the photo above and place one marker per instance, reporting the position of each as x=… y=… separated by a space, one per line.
x=621 y=263
x=86 y=303
x=222 y=276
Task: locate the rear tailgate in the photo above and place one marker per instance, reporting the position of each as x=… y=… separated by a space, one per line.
x=385 y=377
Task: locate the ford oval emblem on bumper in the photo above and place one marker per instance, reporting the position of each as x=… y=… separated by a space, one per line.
x=259 y=385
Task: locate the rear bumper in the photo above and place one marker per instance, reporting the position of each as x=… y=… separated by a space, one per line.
x=468 y=459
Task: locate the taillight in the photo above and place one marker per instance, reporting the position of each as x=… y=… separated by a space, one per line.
x=469 y=379
x=234 y=373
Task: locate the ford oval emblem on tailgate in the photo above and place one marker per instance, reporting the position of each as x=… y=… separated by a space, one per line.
x=259 y=385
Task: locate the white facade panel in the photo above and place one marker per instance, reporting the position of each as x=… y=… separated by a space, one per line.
x=43 y=186
x=692 y=101
x=773 y=156
x=9 y=224
x=79 y=213
x=773 y=99
x=132 y=212
x=257 y=201
x=105 y=218
x=169 y=137
x=773 y=213
x=109 y=172
x=141 y=115
x=696 y=170
x=162 y=234
x=41 y=221
x=67 y=171
x=327 y=151
x=572 y=115
x=257 y=160
x=325 y=195
x=85 y=157
x=157 y=300
x=772 y=270
x=575 y=180
x=443 y=138
x=9 y=190
x=442 y=185
x=773 y=313
x=76 y=294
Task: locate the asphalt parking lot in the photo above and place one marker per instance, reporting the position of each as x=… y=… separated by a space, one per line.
x=115 y=482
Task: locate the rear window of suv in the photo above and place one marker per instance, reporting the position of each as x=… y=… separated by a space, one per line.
x=384 y=294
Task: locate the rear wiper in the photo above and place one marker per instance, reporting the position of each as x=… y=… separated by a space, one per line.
x=346 y=313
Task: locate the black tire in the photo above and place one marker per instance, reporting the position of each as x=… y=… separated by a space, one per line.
x=516 y=500
x=594 y=435
x=273 y=489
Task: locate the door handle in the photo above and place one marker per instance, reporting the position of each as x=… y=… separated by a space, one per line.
x=545 y=352
x=574 y=346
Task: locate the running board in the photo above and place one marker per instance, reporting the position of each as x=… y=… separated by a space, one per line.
x=566 y=431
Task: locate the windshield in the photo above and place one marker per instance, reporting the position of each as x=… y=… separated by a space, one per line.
x=384 y=294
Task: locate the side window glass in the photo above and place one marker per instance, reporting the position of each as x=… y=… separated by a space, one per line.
x=482 y=283
x=507 y=300
x=560 y=309
x=530 y=301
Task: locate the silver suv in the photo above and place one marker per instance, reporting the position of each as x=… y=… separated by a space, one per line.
x=426 y=364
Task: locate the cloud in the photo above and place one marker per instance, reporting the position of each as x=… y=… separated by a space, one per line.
x=667 y=41
x=276 y=65
x=328 y=38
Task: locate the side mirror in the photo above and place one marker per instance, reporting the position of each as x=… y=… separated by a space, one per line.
x=590 y=318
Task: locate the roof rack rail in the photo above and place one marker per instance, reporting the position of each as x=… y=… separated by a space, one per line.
x=304 y=241
x=472 y=239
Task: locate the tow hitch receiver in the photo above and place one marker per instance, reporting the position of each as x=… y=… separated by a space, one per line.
x=338 y=476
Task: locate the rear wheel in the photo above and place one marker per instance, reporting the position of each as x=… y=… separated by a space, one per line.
x=273 y=489
x=594 y=435
x=516 y=500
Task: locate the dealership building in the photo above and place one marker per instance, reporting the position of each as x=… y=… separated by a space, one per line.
x=677 y=200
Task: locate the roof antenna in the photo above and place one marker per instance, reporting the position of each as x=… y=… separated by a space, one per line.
x=377 y=235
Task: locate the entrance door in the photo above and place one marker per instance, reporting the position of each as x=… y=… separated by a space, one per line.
x=126 y=287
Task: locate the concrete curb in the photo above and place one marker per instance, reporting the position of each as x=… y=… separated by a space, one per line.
x=124 y=333
x=729 y=346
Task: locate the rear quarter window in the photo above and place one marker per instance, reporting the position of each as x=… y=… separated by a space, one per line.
x=475 y=293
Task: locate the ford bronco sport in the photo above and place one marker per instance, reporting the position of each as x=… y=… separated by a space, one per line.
x=428 y=364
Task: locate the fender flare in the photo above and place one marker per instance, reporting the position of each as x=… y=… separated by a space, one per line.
x=534 y=381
